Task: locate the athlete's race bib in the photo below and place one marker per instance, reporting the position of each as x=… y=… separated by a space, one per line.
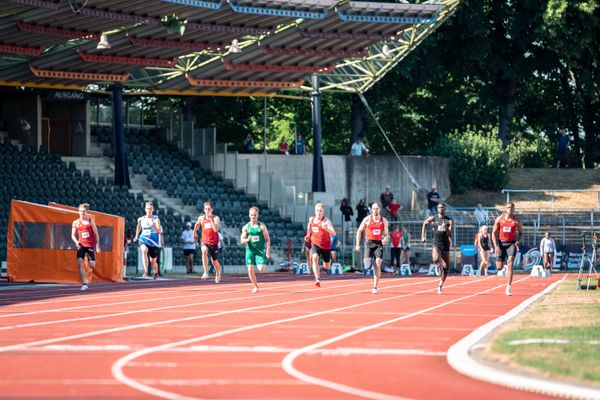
x=315 y=229
x=255 y=239
x=376 y=231
x=441 y=228
x=506 y=229
x=85 y=235
x=208 y=225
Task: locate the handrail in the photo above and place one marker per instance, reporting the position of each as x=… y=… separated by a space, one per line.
x=509 y=191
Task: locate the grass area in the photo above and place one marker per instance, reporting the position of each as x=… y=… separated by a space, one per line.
x=568 y=315
x=539 y=179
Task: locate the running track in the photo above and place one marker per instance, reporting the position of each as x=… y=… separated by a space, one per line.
x=292 y=340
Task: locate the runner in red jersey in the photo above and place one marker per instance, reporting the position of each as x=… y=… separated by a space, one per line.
x=84 y=233
x=506 y=245
x=376 y=235
x=209 y=242
x=319 y=232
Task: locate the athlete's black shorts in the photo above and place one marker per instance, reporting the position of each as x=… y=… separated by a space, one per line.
x=152 y=251
x=324 y=254
x=213 y=250
x=374 y=249
x=442 y=247
x=82 y=251
x=507 y=249
x=187 y=252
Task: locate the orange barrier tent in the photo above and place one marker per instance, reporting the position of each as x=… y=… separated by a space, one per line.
x=40 y=249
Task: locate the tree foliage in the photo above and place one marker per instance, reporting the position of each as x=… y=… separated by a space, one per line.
x=520 y=69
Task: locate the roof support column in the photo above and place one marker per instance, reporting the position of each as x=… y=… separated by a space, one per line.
x=121 y=167
x=318 y=178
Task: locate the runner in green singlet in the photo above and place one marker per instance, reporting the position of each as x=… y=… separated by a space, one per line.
x=258 y=245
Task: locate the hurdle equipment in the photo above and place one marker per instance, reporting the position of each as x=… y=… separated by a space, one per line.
x=404 y=270
x=335 y=269
x=468 y=270
x=539 y=271
x=433 y=271
x=301 y=269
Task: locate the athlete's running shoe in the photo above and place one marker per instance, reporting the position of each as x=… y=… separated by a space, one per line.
x=155 y=275
x=508 y=292
x=145 y=276
x=204 y=276
x=255 y=290
x=84 y=287
x=318 y=283
x=440 y=290
x=217 y=279
x=374 y=291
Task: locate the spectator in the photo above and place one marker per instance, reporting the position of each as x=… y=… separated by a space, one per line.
x=562 y=154
x=347 y=212
x=548 y=249
x=127 y=243
x=361 y=210
x=393 y=209
x=189 y=247
x=283 y=147
x=306 y=248
x=386 y=197
x=249 y=144
x=433 y=198
x=299 y=145
x=358 y=148
x=481 y=214
x=334 y=246
x=395 y=248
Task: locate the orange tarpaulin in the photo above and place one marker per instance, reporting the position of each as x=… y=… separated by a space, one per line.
x=40 y=249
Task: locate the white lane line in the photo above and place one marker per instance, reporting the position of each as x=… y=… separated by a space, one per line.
x=149 y=310
x=459 y=358
x=342 y=351
x=133 y=290
x=288 y=362
x=538 y=341
x=145 y=300
x=117 y=368
x=21 y=346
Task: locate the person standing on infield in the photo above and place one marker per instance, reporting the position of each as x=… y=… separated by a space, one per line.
x=506 y=245
x=258 y=245
x=377 y=235
x=84 y=233
x=319 y=232
x=442 y=242
x=209 y=242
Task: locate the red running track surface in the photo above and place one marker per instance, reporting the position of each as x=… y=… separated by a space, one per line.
x=196 y=339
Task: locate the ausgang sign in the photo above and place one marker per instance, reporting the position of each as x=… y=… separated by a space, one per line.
x=67 y=95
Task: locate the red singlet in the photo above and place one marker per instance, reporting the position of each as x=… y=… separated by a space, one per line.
x=209 y=236
x=396 y=238
x=85 y=233
x=375 y=229
x=508 y=230
x=318 y=235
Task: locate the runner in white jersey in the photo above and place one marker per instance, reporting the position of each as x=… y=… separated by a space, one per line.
x=149 y=226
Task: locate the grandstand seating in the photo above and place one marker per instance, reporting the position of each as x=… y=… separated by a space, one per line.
x=169 y=169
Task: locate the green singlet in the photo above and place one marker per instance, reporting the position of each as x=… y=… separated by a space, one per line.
x=255 y=248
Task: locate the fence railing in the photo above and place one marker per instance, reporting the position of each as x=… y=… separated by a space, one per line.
x=552 y=192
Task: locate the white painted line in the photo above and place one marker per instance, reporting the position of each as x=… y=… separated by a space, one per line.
x=288 y=362
x=460 y=359
x=148 y=310
x=343 y=351
x=145 y=300
x=117 y=368
x=21 y=346
x=538 y=341
x=222 y=382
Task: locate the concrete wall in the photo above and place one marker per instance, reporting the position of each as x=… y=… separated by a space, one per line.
x=356 y=177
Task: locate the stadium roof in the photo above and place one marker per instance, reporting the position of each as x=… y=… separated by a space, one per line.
x=209 y=47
